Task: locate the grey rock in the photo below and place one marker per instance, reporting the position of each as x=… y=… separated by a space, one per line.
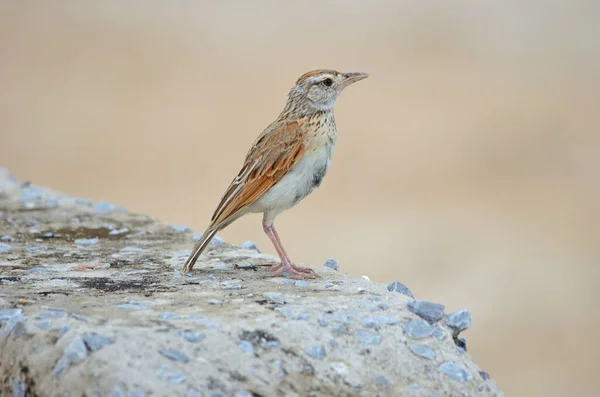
x=301 y=283
x=61 y=366
x=397 y=286
x=44 y=324
x=116 y=392
x=174 y=355
x=116 y=232
x=5 y=247
x=455 y=372
x=323 y=322
x=332 y=264
x=249 y=245
x=54 y=308
x=316 y=351
x=300 y=316
x=102 y=267
x=328 y=285
x=7 y=314
x=19 y=388
x=246 y=347
x=382 y=381
x=37 y=248
x=368 y=338
x=137 y=393
x=277 y=298
x=95 y=342
x=422 y=351
x=194 y=393
x=376 y=321
x=243 y=393
x=214 y=302
x=418 y=329
x=52 y=314
x=134 y=272
x=193 y=337
x=5 y=238
x=38 y=270
x=181 y=228
x=438 y=333
x=104 y=207
x=75 y=351
x=86 y=241
x=484 y=375
x=429 y=311
x=271 y=344
x=458 y=321
x=170 y=374
x=169 y=316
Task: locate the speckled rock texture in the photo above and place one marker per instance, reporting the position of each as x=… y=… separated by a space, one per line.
x=93 y=303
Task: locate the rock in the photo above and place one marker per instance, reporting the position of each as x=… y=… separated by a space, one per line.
x=418 y=329
x=19 y=388
x=455 y=372
x=174 y=355
x=246 y=347
x=339 y=335
x=376 y=321
x=368 y=338
x=86 y=241
x=332 y=264
x=316 y=351
x=428 y=311
x=4 y=247
x=422 y=351
x=249 y=245
x=95 y=342
x=397 y=286
x=458 y=321
x=180 y=228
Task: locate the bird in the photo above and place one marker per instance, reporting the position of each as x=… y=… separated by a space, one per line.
x=286 y=162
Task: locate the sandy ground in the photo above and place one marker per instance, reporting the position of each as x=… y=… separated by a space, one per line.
x=469 y=155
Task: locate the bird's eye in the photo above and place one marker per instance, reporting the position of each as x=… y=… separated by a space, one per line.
x=328 y=82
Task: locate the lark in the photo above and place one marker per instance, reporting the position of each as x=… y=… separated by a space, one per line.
x=285 y=164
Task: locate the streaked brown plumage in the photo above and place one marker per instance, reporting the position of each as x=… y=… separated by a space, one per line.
x=285 y=163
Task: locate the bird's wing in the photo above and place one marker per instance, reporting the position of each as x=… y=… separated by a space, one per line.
x=272 y=155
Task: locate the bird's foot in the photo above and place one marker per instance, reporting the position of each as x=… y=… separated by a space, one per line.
x=292 y=271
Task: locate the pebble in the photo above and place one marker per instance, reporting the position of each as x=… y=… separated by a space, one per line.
x=249 y=245
x=181 y=228
x=95 y=342
x=243 y=393
x=61 y=365
x=102 y=267
x=272 y=344
x=75 y=351
x=429 y=311
x=461 y=343
x=38 y=270
x=455 y=372
x=301 y=283
x=217 y=240
x=397 y=286
x=174 y=355
x=300 y=316
x=19 y=388
x=193 y=337
x=134 y=272
x=86 y=241
x=6 y=237
x=418 y=329
x=277 y=298
x=316 y=351
x=366 y=278
x=52 y=314
x=194 y=393
x=373 y=322
x=368 y=338
x=382 y=381
x=137 y=393
x=116 y=392
x=246 y=347
x=115 y=232
x=422 y=351
x=458 y=321
x=439 y=334
x=44 y=324
x=169 y=316
x=5 y=247
x=53 y=308
x=323 y=322
x=37 y=248
x=332 y=264
x=484 y=375
x=170 y=374
x=214 y=302
x=132 y=249
x=133 y=305
x=104 y=207
x=82 y=201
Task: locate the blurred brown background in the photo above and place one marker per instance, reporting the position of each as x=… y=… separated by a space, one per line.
x=467 y=165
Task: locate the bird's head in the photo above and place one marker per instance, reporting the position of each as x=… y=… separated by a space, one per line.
x=317 y=91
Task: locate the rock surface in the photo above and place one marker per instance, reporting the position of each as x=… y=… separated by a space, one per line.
x=93 y=303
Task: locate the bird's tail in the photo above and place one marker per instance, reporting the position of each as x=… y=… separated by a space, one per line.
x=198 y=248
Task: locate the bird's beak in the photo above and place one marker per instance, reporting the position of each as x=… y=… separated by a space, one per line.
x=351 y=78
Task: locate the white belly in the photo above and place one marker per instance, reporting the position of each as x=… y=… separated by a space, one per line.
x=298 y=183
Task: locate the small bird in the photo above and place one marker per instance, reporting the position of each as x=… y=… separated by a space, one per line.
x=285 y=164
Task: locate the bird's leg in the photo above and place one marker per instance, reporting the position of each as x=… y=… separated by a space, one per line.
x=293 y=271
